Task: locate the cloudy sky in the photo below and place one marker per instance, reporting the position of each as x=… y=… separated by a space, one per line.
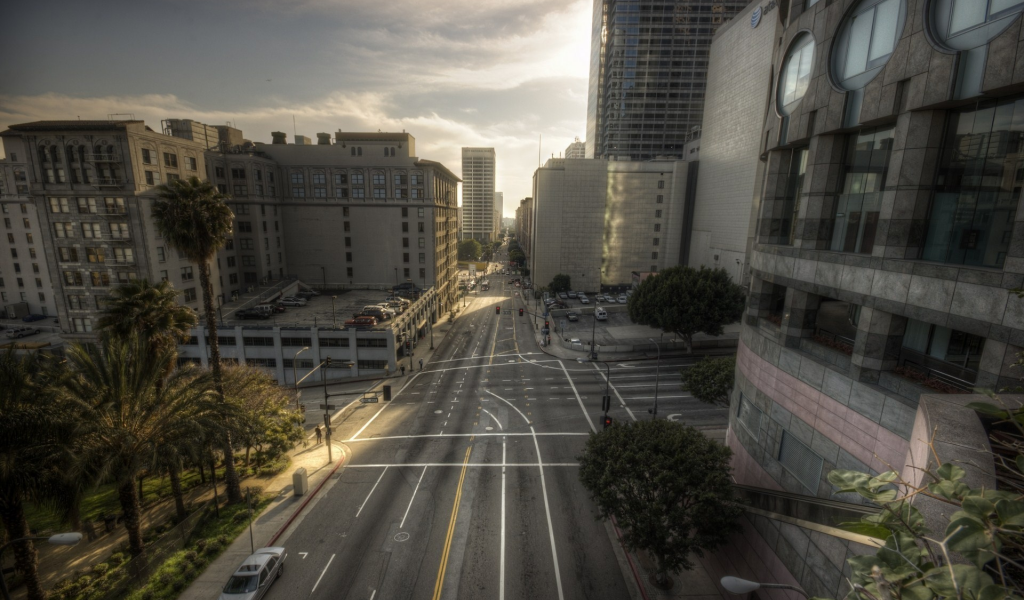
x=453 y=73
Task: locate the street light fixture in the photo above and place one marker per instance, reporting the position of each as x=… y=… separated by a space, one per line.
x=60 y=539
x=295 y=374
x=657 y=379
x=735 y=585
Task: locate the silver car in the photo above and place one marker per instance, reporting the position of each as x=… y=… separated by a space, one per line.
x=253 y=577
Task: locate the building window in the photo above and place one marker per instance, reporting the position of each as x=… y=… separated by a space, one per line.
x=148 y=156
x=87 y=206
x=416 y=179
x=857 y=208
x=340 y=179
x=245 y=226
x=421 y=227
x=341 y=192
x=782 y=224
x=358 y=193
x=59 y=205
x=405 y=273
x=92 y=231
x=319 y=192
x=657 y=214
x=190 y=163
x=82 y=325
x=67 y=254
x=190 y=294
x=333 y=342
x=795 y=76
x=657 y=241
x=378 y=179
x=400 y=179
x=245 y=243
x=801 y=461
x=405 y=257
x=319 y=179
x=941 y=353
x=186 y=274
x=422 y=243
x=73 y=278
x=266 y=363
x=99 y=279
x=94 y=255
x=348 y=242
x=660 y=199
x=978 y=186
x=749 y=416
x=163 y=275
x=298 y=192
x=297 y=342
x=423 y=258
x=222 y=188
x=865 y=41
x=239 y=189
x=219 y=172
x=405 y=227
x=348 y=271
x=346 y=225
x=661 y=184
x=419 y=212
x=119 y=231
x=296 y=178
x=654 y=256
x=405 y=242
x=657 y=227
x=170 y=160
x=423 y=273
x=348 y=257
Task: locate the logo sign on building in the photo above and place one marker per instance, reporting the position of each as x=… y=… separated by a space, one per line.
x=760 y=11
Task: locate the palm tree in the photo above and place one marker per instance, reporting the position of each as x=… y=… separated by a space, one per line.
x=127 y=411
x=194 y=219
x=33 y=443
x=150 y=310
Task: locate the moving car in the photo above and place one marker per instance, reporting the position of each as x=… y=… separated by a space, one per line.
x=20 y=332
x=572 y=316
x=251 y=313
x=253 y=577
x=600 y=314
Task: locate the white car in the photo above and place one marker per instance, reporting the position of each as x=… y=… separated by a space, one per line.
x=253 y=577
x=583 y=299
x=623 y=299
x=609 y=299
x=599 y=298
x=291 y=301
x=387 y=309
x=20 y=332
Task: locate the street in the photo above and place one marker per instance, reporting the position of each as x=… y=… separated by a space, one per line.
x=465 y=485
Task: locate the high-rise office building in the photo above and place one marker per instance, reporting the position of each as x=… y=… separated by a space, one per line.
x=576 y=149
x=648 y=64
x=478 y=194
x=499 y=206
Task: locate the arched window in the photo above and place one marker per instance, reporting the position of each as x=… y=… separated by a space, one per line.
x=866 y=40
x=110 y=153
x=54 y=155
x=71 y=154
x=43 y=157
x=968 y=24
x=353 y=150
x=360 y=151
x=795 y=76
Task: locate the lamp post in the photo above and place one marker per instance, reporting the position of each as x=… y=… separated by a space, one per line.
x=593 y=331
x=295 y=374
x=323 y=270
x=60 y=539
x=606 y=401
x=327 y=412
x=735 y=585
x=657 y=379
x=334 y=313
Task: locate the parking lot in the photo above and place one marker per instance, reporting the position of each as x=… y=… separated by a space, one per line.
x=48 y=332
x=319 y=310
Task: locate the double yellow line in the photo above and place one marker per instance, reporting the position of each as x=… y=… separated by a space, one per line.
x=451 y=529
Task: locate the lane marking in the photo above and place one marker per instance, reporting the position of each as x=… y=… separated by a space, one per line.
x=324 y=572
x=617 y=395
x=447 y=435
x=544 y=490
x=371 y=492
x=363 y=428
x=580 y=400
x=451 y=530
x=414 y=490
x=379 y=465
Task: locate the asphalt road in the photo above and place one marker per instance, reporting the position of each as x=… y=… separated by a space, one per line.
x=465 y=485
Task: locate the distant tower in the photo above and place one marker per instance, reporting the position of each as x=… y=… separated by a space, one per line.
x=478 y=194
x=577 y=149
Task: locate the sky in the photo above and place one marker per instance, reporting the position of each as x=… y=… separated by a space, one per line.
x=453 y=73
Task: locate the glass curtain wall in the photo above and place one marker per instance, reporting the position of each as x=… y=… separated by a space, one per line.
x=782 y=225
x=858 y=206
x=978 y=186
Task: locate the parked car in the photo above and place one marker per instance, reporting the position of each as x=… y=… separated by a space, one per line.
x=278 y=308
x=251 y=313
x=609 y=299
x=362 y=321
x=390 y=312
x=623 y=299
x=600 y=314
x=584 y=300
x=254 y=576
x=398 y=299
x=373 y=311
x=33 y=318
x=301 y=301
x=20 y=332
x=558 y=305
x=573 y=294
x=572 y=316
x=563 y=295
x=599 y=298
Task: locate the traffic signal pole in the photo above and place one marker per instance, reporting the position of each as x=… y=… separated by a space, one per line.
x=327 y=411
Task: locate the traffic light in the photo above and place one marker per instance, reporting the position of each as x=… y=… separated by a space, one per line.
x=497 y=310
x=520 y=312
x=607 y=421
x=407 y=344
x=547 y=325
x=327 y=361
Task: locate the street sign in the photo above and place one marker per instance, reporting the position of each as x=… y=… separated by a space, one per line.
x=369 y=398
x=328 y=406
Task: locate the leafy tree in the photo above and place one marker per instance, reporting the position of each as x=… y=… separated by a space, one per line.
x=127 y=412
x=34 y=436
x=262 y=419
x=469 y=249
x=986 y=527
x=687 y=301
x=560 y=283
x=710 y=380
x=667 y=486
x=193 y=218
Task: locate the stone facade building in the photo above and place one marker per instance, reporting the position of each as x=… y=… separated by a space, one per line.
x=887 y=240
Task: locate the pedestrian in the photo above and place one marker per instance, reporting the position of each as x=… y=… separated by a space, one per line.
x=403 y=370
x=421 y=364
x=319 y=434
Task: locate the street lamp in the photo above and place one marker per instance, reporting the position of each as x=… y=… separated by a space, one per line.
x=334 y=314
x=295 y=374
x=60 y=539
x=735 y=585
x=657 y=379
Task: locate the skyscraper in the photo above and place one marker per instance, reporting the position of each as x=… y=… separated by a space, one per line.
x=499 y=207
x=576 y=149
x=648 y=64
x=478 y=194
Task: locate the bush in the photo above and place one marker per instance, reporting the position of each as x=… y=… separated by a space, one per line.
x=101 y=569
x=212 y=547
x=179 y=584
x=191 y=556
x=201 y=544
x=240 y=516
x=116 y=559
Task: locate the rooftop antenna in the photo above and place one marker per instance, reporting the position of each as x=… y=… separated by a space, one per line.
x=540 y=138
x=293 y=127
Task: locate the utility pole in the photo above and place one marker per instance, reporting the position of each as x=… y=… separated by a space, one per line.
x=327 y=411
x=657 y=379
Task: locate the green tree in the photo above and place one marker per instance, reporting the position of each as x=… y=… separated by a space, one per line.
x=262 y=420
x=193 y=218
x=666 y=485
x=687 y=301
x=986 y=527
x=34 y=436
x=469 y=249
x=710 y=380
x=128 y=411
x=560 y=283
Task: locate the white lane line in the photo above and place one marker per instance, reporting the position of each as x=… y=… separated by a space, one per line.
x=580 y=400
x=371 y=492
x=501 y=569
x=660 y=397
x=374 y=594
x=454 y=435
x=363 y=428
x=617 y=395
x=416 y=489
x=544 y=490
x=322 y=574
x=460 y=465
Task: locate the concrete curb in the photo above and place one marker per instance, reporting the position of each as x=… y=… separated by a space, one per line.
x=309 y=497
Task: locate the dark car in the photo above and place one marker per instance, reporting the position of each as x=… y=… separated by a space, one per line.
x=248 y=313
x=32 y=318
